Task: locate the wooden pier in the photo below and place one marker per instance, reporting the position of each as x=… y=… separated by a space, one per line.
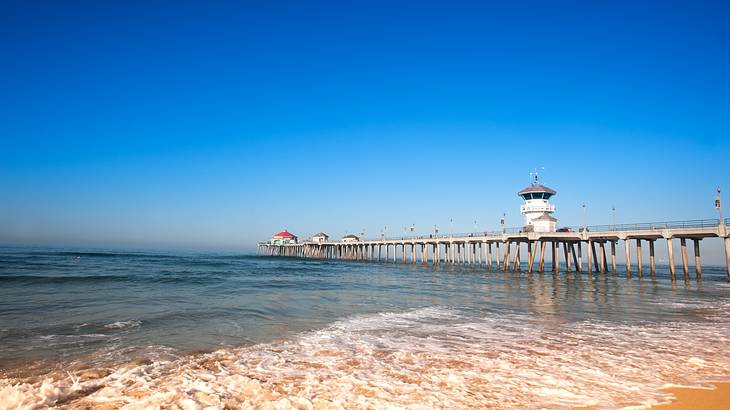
x=507 y=250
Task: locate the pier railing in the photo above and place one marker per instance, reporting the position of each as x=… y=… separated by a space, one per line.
x=641 y=226
x=695 y=223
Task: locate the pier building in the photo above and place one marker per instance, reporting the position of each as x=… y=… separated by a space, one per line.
x=537 y=209
x=320 y=237
x=284 y=238
x=350 y=238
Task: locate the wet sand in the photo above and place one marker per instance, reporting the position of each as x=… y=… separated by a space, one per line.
x=698 y=398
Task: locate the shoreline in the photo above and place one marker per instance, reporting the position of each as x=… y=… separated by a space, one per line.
x=706 y=395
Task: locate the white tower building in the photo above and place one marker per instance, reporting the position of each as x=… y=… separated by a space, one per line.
x=537 y=209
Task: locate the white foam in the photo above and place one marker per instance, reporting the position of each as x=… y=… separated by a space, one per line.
x=424 y=358
x=123 y=324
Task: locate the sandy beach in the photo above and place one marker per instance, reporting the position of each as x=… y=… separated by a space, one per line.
x=699 y=398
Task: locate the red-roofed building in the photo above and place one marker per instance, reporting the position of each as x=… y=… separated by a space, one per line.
x=284 y=237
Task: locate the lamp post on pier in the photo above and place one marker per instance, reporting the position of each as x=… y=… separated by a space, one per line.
x=613 y=217
x=502 y=222
x=718 y=206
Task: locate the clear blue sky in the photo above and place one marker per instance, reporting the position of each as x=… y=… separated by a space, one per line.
x=212 y=124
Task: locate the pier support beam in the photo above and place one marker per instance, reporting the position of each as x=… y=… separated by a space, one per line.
x=589 y=252
x=595 y=257
x=670 y=259
x=516 y=261
x=505 y=263
x=579 y=265
x=613 y=256
x=727 y=257
x=639 y=265
x=628 y=257
x=698 y=261
x=556 y=257
x=489 y=255
x=652 y=258
x=685 y=262
x=541 y=262
x=531 y=249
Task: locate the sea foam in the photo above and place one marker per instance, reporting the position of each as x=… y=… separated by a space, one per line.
x=422 y=358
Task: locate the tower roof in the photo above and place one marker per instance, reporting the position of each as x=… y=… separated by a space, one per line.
x=545 y=217
x=320 y=234
x=284 y=234
x=536 y=188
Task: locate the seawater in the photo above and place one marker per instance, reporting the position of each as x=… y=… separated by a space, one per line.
x=117 y=329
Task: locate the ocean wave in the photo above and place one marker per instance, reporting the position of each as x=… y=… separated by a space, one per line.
x=126 y=324
x=60 y=279
x=422 y=358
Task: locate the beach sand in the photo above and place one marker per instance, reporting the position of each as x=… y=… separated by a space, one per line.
x=691 y=398
x=699 y=399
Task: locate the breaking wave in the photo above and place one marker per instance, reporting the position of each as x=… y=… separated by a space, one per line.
x=422 y=358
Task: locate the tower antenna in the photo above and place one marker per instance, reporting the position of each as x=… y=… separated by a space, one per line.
x=535 y=180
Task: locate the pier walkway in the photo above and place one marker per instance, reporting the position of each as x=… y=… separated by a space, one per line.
x=504 y=250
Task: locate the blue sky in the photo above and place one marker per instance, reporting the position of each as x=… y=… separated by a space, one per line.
x=211 y=126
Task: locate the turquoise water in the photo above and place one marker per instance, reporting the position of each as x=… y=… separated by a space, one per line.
x=90 y=327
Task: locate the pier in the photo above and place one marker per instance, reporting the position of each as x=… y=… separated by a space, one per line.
x=583 y=250
x=538 y=241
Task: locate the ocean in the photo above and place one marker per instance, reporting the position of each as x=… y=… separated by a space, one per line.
x=134 y=329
